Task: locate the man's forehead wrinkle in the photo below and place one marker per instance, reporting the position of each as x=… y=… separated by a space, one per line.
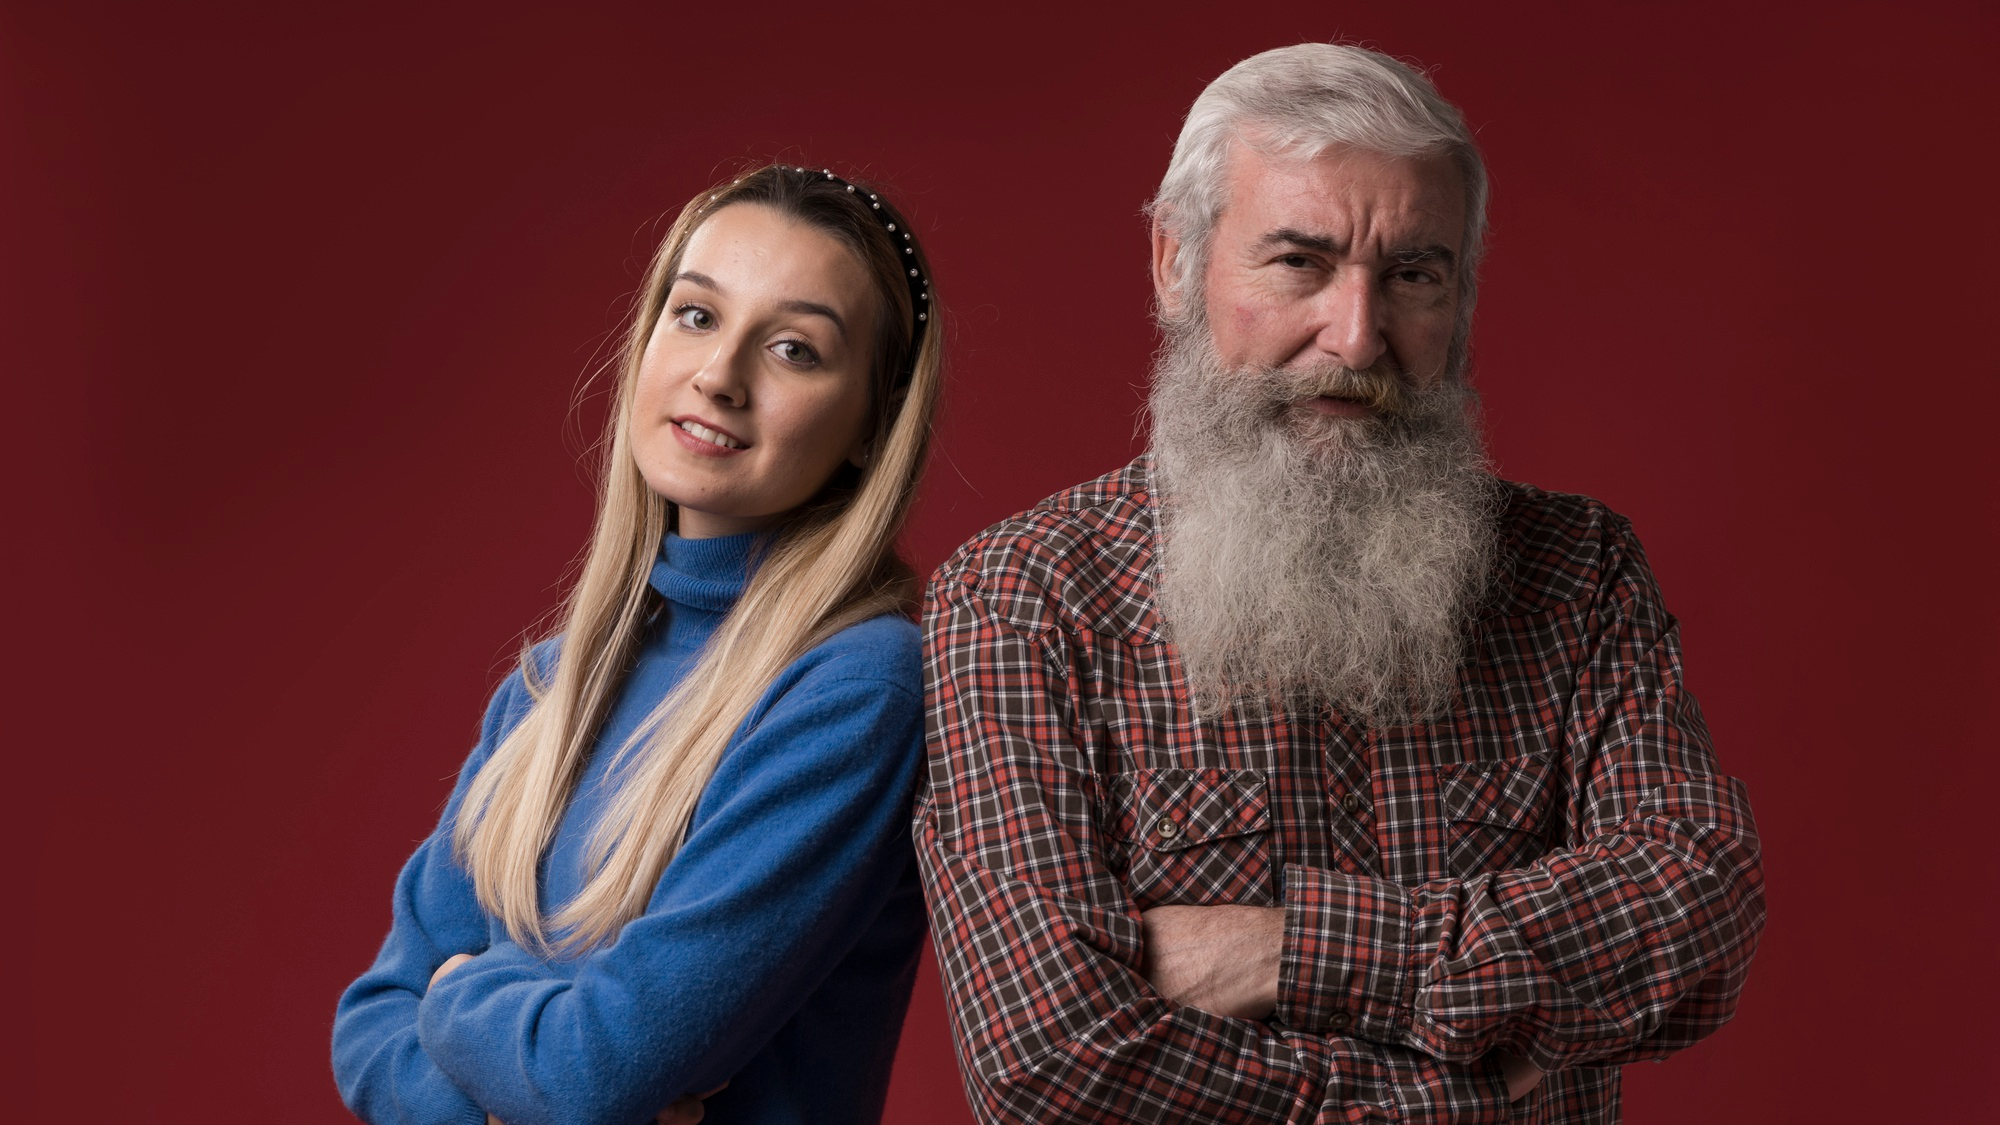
x=1412 y=191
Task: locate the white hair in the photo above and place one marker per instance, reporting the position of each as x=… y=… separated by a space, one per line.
x=1307 y=560
x=1299 y=101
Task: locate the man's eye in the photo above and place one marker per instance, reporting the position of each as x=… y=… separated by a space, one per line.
x=796 y=351
x=694 y=316
x=1415 y=277
x=1296 y=261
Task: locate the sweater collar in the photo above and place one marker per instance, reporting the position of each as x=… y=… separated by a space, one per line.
x=705 y=574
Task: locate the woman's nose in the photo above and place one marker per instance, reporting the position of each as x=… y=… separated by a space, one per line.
x=722 y=378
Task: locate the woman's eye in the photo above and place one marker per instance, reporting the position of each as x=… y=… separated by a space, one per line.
x=694 y=316
x=796 y=352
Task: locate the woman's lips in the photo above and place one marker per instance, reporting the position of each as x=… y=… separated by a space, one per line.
x=697 y=436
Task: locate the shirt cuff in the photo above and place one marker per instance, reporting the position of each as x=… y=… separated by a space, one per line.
x=1346 y=962
x=1430 y=1091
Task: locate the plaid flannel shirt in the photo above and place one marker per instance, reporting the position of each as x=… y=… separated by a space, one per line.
x=1555 y=868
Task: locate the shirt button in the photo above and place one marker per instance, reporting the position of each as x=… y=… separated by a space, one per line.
x=1166 y=829
x=1337 y=1020
x=1353 y=803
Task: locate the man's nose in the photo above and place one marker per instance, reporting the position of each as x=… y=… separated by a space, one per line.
x=722 y=379
x=1351 y=323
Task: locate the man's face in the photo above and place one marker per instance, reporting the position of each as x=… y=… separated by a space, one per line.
x=1348 y=259
x=1326 y=513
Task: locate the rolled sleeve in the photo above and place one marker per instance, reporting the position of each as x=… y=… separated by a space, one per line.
x=1348 y=959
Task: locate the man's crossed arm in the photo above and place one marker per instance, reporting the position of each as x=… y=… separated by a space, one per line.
x=1226 y=959
x=1436 y=1002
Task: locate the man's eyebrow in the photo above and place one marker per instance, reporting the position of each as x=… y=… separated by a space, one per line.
x=1415 y=255
x=1409 y=256
x=808 y=308
x=1287 y=236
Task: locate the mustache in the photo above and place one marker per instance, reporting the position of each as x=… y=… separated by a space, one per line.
x=1381 y=387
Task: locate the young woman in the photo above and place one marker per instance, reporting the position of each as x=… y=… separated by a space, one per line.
x=678 y=858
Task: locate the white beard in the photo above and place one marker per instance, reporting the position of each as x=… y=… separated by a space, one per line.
x=1308 y=560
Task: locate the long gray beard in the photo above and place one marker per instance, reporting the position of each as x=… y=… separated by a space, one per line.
x=1309 y=560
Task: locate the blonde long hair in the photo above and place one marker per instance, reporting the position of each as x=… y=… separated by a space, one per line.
x=831 y=564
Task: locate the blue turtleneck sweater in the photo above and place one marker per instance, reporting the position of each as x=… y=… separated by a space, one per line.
x=777 y=951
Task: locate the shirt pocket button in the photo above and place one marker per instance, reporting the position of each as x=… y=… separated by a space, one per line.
x=1166 y=829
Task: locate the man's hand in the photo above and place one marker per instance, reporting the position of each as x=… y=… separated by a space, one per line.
x=1521 y=1075
x=1221 y=959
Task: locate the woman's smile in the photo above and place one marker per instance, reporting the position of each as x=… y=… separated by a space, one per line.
x=754 y=387
x=708 y=440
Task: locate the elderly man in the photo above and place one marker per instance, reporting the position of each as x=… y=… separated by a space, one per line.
x=1300 y=770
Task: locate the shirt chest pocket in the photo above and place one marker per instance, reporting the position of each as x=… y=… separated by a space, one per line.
x=1192 y=837
x=1499 y=812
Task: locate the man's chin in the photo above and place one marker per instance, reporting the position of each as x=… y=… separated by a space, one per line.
x=1327 y=406
x=1324 y=438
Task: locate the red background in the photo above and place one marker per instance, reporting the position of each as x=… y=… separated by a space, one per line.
x=299 y=305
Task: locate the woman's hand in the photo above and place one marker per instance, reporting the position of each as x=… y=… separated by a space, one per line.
x=450 y=963
x=685 y=1110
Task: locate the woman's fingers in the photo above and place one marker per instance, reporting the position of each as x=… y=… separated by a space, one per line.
x=687 y=1109
x=684 y=1111
x=450 y=963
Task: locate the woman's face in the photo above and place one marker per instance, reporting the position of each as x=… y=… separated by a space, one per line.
x=754 y=386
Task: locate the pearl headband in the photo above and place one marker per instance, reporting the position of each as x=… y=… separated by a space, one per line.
x=920 y=292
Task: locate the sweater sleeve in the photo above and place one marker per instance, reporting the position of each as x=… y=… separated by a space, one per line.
x=383 y=1073
x=800 y=837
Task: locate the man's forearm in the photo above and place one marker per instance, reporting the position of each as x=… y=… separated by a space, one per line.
x=1225 y=959
x=1221 y=959
x=1098 y=1040
x=1539 y=958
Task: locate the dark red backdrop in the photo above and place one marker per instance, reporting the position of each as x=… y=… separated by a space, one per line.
x=298 y=305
